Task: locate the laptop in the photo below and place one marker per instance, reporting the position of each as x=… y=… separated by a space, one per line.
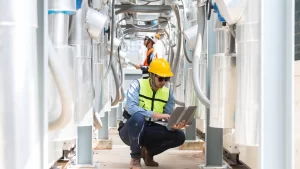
x=179 y=114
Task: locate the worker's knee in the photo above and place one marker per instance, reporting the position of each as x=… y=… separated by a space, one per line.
x=137 y=120
x=180 y=137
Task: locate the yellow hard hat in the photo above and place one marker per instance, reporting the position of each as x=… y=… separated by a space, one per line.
x=160 y=67
x=157 y=36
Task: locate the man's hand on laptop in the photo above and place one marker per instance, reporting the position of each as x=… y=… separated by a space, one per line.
x=160 y=116
x=180 y=125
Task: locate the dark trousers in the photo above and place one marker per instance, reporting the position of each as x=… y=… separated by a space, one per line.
x=136 y=132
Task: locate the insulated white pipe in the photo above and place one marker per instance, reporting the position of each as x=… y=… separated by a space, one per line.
x=248 y=72
x=63 y=88
x=22 y=133
x=117 y=83
x=196 y=58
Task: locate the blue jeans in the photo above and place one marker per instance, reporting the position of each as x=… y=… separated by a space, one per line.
x=136 y=132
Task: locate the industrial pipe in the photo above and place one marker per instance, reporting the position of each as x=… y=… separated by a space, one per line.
x=112 y=29
x=196 y=58
x=122 y=94
x=64 y=91
x=185 y=17
x=175 y=62
x=117 y=83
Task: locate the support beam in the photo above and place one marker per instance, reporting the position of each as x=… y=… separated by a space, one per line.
x=42 y=53
x=84 y=145
x=129 y=31
x=113 y=117
x=214 y=136
x=144 y=8
x=103 y=132
x=120 y=111
x=190 y=132
x=277 y=51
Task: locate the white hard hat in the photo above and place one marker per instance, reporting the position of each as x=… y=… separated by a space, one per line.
x=153 y=39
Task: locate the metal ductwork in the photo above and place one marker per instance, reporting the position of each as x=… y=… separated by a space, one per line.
x=223 y=80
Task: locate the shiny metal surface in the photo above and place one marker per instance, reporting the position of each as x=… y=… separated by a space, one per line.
x=190 y=96
x=99 y=87
x=58 y=28
x=203 y=82
x=222 y=91
x=225 y=42
x=62 y=5
x=248 y=101
x=67 y=58
x=95 y=22
x=179 y=90
x=83 y=82
x=78 y=32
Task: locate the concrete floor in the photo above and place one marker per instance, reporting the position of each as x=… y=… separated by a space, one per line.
x=119 y=157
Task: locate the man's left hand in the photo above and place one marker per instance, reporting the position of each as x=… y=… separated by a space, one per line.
x=179 y=126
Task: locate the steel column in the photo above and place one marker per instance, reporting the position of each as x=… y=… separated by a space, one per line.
x=277 y=51
x=190 y=132
x=103 y=132
x=85 y=145
x=120 y=111
x=42 y=53
x=213 y=136
x=113 y=117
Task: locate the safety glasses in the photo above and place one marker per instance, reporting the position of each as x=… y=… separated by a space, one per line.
x=160 y=79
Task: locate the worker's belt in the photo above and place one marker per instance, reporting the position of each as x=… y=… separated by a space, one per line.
x=149 y=119
x=126 y=116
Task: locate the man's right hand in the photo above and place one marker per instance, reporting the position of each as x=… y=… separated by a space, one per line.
x=160 y=116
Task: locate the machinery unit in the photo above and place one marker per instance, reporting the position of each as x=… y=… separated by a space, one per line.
x=66 y=66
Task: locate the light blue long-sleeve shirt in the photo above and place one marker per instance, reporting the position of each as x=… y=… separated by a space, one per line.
x=132 y=101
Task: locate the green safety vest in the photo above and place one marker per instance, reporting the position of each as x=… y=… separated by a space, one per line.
x=154 y=101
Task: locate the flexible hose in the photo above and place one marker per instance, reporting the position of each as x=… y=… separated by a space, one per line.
x=112 y=29
x=196 y=58
x=122 y=94
x=115 y=74
x=186 y=55
x=170 y=45
x=120 y=67
x=172 y=58
x=177 y=58
x=63 y=88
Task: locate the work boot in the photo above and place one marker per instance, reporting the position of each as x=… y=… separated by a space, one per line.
x=135 y=163
x=148 y=158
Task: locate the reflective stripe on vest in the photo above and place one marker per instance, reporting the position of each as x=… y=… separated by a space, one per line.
x=154 y=101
